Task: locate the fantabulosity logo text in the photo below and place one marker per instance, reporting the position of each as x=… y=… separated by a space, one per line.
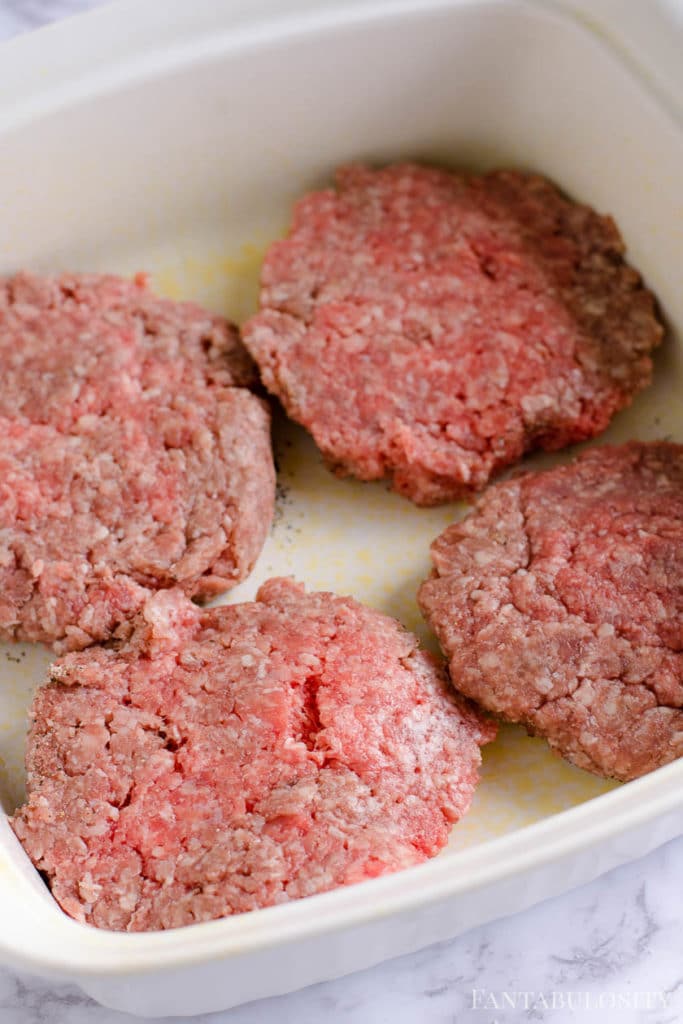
x=502 y=1000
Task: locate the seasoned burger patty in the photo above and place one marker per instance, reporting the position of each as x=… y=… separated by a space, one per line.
x=559 y=602
x=226 y=759
x=432 y=327
x=131 y=456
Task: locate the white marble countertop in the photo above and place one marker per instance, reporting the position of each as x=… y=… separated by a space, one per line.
x=609 y=953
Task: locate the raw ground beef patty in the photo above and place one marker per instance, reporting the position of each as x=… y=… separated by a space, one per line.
x=227 y=759
x=431 y=327
x=559 y=602
x=131 y=456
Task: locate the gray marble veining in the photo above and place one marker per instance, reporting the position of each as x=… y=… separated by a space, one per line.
x=609 y=953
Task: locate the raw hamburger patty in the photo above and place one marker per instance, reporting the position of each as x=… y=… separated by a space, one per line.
x=233 y=758
x=432 y=327
x=130 y=455
x=559 y=602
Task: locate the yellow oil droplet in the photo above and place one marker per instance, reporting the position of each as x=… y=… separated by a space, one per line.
x=223 y=280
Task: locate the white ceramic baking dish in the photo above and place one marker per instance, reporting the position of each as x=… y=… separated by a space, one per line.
x=173 y=137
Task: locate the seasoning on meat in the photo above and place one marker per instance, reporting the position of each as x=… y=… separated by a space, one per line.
x=131 y=455
x=559 y=602
x=432 y=327
x=231 y=758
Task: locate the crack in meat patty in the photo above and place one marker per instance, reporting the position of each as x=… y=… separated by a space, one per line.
x=231 y=758
x=132 y=455
x=559 y=602
x=432 y=327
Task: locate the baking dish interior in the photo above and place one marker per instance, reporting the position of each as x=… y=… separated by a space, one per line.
x=187 y=165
